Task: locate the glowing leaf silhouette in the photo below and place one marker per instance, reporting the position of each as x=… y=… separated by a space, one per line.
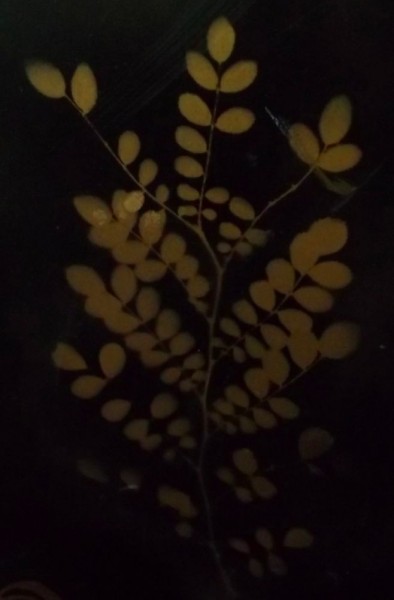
x=190 y=139
x=147 y=171
x=217 y=195
x=137 y=429
x=188 y=167
x=242 y=209
x=187 y=267
x=140 y=341
x=133 y=201
x=186 y=192
x=274 y=336
x=194 y=109
x=178 y=427
x=181 y=344
x=253 y=347
x=284 y=408
x=112 y=360
x=150 y=270
x=130 y=252
x=243 y=494
x=255 y=568
x=314 y=299
x=245 y=461
x=237 y=396
x=303 y=348
x=162 y=193
x=335 y=120
x=235 y=120
x=257 y=237
x=245 y=312
x=187 y=211
x=220 y=39
x=46 y=78
x=84 y=88
x=263 y=487
x=209 y=214
x=109 y=235
x=276 y=366
x=198 y=286
x=295 y=320
x=314 y=442
x=120 y=322
x=93 y=210
x=148 y=303
x=304 y=143
x=226 y=475
x=239 y=545
x=201 y=70
x=340 y=158
x=229 y=231
x=194 y=361
x=102 y=305
x=151 y=226
x=257 y=382
x=230 y=327
x=87 y=386
x=66 y=357
x=239 y=76
x=329 y=235
x=116 y=410
x=171 y=375
x=154 y=358
x=84 y=280
x=129 y=147
x=281 y=275
x=163 y=406
x=298 y=538
x=339 y=340
x=124 y=283
x=262 y=295
x=264 y=418
x=276 y=564
x=304 y=252
x=331 y=274
x=264 y=538
x=178 y=501
x=167 y=324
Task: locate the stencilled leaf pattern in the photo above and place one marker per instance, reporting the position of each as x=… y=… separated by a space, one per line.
x=224 y=356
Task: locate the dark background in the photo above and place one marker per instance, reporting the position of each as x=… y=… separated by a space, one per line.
x=90 y=541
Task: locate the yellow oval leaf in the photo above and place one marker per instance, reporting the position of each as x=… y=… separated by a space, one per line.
x=335 y=120
x=304 y=252
x=245 y=312
x=162 y=193
x=295 y=320
x=265 y=538
x=178 y=501
x=171 y=375
x=181 y=344
x=263 y=487
x=339 y=340
x=239 y=76
x=84 y=88
x=329 y=235
x=262 y=295
x=130 y=252
x=150 y=270
x=257 y=237
x=314 y=299
x=109 y=235
x=198 y=286
x=237 y=396
x=217 y=195
x=129 y=147
x=124 y=283
x=201 y=70
x=116 y=410
x=178 y=427
x=187 y=267
x=253 y=347
x=314 y=442
x=276 y=366
x=303 y=348
x=229 y=231
x=230 y=327
x=188 y=167
x=147 y=171
x=340 y=158
x=209 y=214
x=276 y=564
x=264 y=418
x=112 y=360
x=245 y=461
x=148 y=303
x=242 y=209
x=194 y=361
x=284 y=408
x=167 y=324
x=188 y=193
x=194 y=109
x=281 y=275
x=257 y=382
x=120 y=322
x=298 y=537
x=66 y=357
x=136 y=430
x=87 y=386
x=93 y=210
x=235 y=120
x=163 y=406
x=190 y=139
x=102 y=305
x=151 y=226
x=331 y=274
x=304 y=143
x=274 y=336
x=220 y=39
x=133 y=201
x=140 y=341
x=46 y=78
x=84 y=280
